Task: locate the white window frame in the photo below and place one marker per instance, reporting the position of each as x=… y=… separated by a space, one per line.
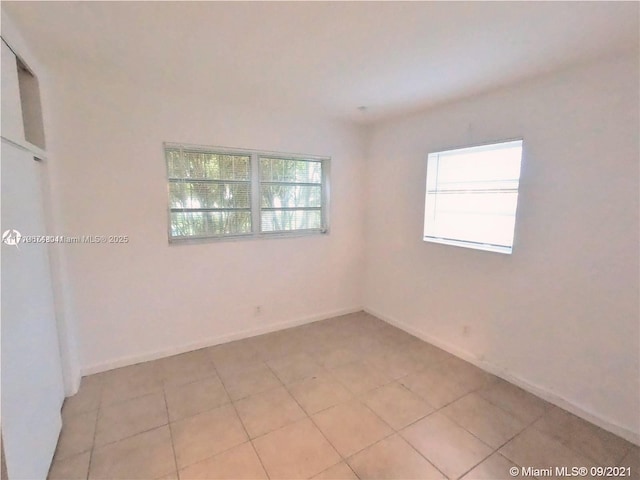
x=434 y=156
x=255 y=182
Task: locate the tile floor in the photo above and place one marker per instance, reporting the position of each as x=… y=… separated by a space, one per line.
x=348 y=397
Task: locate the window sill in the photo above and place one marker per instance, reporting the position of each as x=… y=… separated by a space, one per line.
x=475 y=246
x=249 y=236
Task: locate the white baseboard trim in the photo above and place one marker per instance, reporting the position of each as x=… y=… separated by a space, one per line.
x=211 y=341
x=498 y=371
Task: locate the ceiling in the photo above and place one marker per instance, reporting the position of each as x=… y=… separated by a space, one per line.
x=325 y=58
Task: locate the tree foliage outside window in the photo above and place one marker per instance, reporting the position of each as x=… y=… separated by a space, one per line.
x=214 y=193
x=291 y=194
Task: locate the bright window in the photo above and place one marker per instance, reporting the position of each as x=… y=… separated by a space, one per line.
x=290 y=194
x=472 y=195
x=217 y=192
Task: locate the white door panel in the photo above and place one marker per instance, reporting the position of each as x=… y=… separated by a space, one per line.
x=32 y=385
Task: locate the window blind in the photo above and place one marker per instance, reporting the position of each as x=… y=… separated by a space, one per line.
x=217 y=192
x=471 y=196
x=210 y=193
x=290 y=194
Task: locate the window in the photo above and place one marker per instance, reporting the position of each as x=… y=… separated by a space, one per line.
x=209 y=193
x=218 y=193
x=471 y=196
x=290 y=194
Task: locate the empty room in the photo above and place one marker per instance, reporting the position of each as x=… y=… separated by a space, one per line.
x=329 y=240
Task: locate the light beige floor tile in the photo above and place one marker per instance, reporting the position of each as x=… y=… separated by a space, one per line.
x=435 y=386
x=195 y=397
x=517 y=402
x=336 y=357
x=365 y=320
x=238 y=463
x=392 y=458
x=129 y=417
x=267 y=411
x=361 y=324
x=86 y=400
x=395 y=364
x=298 y=450
x=77 y=434
x=365 y=344
x=143 y=456
x=240 y=351
x=396 y=405
x=70 y=468
x=489 y=423
x=533 y=448
x=340 y=471
x=632 y=460
x=319 y=392
x=496 y=467
x=229 y=368
x=130 y=382
x=374 y=338
x=258 y=378
x=231 y=358
x=360 y=377
x=318 y=342
x=276 y=345
x=201 y=436
x=186 y=367
x=351 y=426
x=395 y=335
x=467 y=374
x=426 y=353
x=295 y=367
x=169 y=476
x=448 y=446
x=583 y=437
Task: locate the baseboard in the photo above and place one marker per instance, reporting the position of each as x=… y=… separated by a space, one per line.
x=211 y=341
x=498 y=371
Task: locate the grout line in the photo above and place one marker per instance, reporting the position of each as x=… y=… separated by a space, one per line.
x=398 y=432
x=173 y=447
x=147 y=430
x=111 y=442
x=310 y=417
x=249 y=439
x=225 y=404
x=335 y=465
x=171 y=385
x=394 y=430
x=353 y=398
x=133 y=397
x=566 y=443
x=95 y=429
x=496 y=450
x=214 y=455
x=426 y=459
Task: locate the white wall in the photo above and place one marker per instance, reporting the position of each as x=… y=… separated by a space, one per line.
x=560 y=315
x=147 y=298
